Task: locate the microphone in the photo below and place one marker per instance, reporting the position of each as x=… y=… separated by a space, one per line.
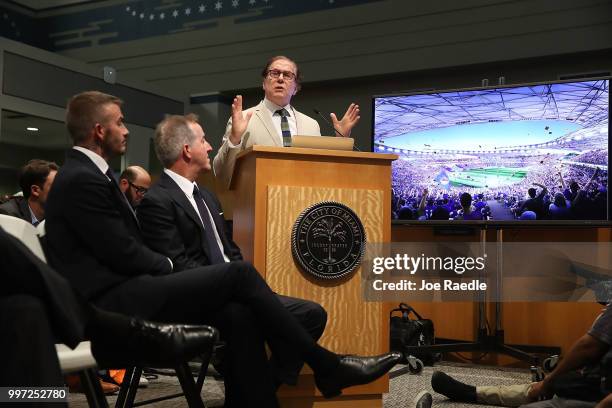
x=327 y=121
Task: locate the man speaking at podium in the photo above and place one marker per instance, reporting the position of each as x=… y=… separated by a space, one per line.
x=273 y=121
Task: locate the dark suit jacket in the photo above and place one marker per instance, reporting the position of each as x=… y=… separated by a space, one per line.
x=24 y=273
x=17 y=207
x=171 y=226
x=93 y=237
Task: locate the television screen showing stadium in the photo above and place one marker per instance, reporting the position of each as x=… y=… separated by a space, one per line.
x=511 y=153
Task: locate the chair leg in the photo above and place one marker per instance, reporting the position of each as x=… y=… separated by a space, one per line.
x=193 y=397
x=129 y=386
x=125 y=387
x=203 y=370
x=93 y=389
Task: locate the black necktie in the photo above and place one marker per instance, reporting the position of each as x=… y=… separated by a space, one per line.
x=109 y=173
x=216 y=256
x=285 y=126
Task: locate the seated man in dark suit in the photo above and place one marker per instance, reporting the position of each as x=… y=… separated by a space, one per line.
x=94 y=238
x=35 y=179
x=38 y=308
x=185 y=222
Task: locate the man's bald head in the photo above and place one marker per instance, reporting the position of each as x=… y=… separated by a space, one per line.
x=134 y=182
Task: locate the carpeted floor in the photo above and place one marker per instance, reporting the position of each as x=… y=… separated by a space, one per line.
x=404 y=386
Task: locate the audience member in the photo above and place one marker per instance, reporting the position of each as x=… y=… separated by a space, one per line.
x=134 y=182
x=528 y=215
x=559 y=209
x=535 y=202
x=176 y=214
x=469 y=213
x=35 y=179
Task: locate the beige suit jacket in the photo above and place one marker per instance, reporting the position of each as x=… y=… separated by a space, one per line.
x=260 y=131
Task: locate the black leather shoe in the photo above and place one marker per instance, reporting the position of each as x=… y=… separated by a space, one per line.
x=156 y=345
x=423 y=400
x=355 y=370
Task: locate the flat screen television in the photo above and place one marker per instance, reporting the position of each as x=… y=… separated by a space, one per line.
x=532 y=152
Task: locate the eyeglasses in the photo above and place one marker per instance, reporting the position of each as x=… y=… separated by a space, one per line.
x=275 y=74
x=139 y=189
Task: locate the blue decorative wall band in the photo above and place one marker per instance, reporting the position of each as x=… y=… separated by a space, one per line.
x=150 y=18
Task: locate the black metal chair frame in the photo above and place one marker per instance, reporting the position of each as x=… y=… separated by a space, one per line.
x=92 y=388
x=191 y=389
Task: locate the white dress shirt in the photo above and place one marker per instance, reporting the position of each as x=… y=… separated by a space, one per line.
x=95 y=158
x=33 y=218
x=276 y=119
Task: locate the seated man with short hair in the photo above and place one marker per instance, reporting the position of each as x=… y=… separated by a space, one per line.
x=176 y=214
x=35 y=179
x=134 y=182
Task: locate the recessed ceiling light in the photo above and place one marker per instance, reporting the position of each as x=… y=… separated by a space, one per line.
x=32 y=129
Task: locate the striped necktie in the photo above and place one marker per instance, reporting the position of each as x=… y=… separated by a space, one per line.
x=285 y=126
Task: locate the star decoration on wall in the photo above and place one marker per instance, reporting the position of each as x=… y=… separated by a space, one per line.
x=150 y=13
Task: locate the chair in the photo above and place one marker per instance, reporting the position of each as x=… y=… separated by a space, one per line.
x=80 y=360
x=191 y=389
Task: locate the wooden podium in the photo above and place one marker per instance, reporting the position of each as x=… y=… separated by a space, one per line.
x=272 y=186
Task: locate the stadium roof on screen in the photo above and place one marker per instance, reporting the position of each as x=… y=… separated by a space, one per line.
x=584 y=103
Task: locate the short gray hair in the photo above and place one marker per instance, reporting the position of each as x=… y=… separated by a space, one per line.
x=171 y=134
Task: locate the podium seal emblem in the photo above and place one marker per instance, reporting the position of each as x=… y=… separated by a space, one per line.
x=328 y=240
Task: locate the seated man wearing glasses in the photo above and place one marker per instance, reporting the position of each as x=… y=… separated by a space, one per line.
x=273 y=121
x=134 y=182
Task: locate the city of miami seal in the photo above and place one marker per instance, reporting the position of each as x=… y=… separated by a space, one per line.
x=328 y=240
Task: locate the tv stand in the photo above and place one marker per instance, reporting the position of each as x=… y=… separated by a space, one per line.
x=486 y=342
